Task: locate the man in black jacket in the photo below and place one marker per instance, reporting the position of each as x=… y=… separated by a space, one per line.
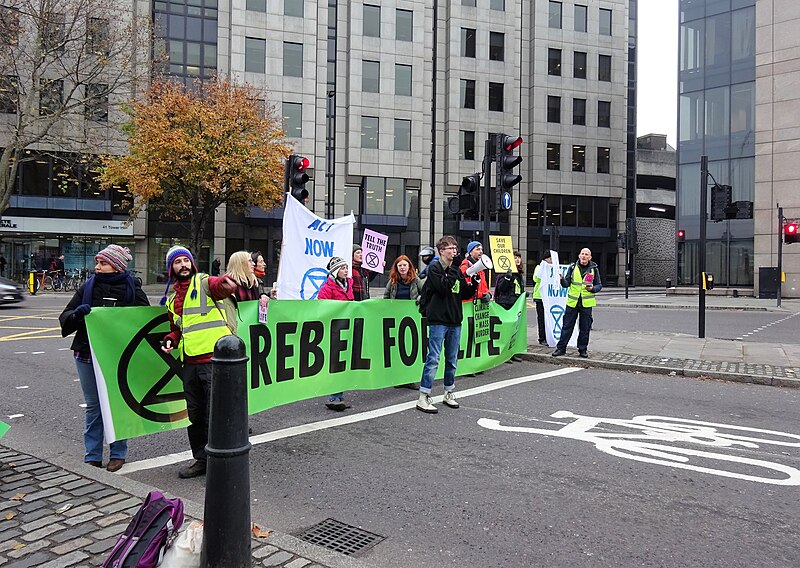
x=447 y=288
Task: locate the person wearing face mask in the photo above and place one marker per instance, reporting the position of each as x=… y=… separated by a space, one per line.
x=404 y=284
x=111 y=285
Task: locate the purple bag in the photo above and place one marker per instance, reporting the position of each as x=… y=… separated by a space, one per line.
x=151 y=531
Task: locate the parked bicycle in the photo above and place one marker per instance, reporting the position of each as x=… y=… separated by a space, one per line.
x=76 y=279
x=54 y=281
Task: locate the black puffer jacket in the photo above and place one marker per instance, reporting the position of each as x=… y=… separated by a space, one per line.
x=445 y=304
x=505 y=292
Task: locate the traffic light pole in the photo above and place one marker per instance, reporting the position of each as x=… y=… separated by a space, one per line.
x=701 y=318
x=780 y=252
x=487 y=167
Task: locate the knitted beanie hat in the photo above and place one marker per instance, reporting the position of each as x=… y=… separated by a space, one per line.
x=472 y=245
x=335 y=264
x=356 y=248
x=118 y=257
x=172 y=254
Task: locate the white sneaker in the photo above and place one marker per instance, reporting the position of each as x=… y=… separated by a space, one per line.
x=450 y=399
x=425 y=405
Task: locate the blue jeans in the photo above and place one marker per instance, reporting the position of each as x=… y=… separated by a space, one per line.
x=93 y=435
x=568 y=325
x=450 y=336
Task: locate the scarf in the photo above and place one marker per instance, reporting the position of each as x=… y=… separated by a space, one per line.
x=111 y=279
x=260 y=273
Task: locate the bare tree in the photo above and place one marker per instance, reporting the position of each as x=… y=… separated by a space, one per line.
x=65 y=67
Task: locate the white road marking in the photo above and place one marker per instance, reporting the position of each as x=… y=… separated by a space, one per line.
x=170 y=459
x=12 y=416
x=37 y=352
x=63 y=348
x=20 y=352
x=82 y=405
x=22 y=387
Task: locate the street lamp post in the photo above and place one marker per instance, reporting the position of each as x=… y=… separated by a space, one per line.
x=701 y=319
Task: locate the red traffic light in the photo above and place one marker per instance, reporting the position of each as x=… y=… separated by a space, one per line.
x=510 y=143
x=301 y=162
x=681 y=235
x=790 y=229
x=790 y=233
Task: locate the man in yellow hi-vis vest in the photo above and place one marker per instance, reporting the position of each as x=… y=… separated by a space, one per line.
x=583 y=282
x=197 y=321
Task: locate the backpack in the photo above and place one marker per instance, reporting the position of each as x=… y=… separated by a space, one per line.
x=151 y=531
x=424 y=299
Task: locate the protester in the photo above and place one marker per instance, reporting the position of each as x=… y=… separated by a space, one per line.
x=111 y=285
x=583 y=281
x=404 y=284
x=427 y=255
x=241 y=271
x=448 y=287
x=474 y=254
x=260 y=269
x=361 y=276
x=337 y=287
x=60 y=270
x=537 y=295
x=510 y=285
x=215 y=267
x=197 y=321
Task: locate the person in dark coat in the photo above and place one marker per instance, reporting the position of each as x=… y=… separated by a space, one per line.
x=111 y=285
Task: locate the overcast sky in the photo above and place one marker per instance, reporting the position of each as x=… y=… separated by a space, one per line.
x=658 y=69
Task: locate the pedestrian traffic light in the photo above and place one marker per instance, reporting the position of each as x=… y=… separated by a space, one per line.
x=680 y=235
x=721 y=205
x=296 y=177
x=467 y=199
x=790 y=232
x=506 y=162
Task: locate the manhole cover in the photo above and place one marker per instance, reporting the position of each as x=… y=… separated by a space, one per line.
x=340 y=537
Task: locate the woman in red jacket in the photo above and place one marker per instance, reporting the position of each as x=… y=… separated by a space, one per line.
x=337 y=287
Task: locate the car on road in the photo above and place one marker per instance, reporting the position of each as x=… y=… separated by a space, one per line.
x=10 y=292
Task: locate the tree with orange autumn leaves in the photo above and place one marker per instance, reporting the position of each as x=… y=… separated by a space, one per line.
x=191 y=149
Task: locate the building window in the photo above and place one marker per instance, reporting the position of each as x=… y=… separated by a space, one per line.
x=372 y=20
x=578 y=158
x=581 y=12
x=9 y=93
x=370 y=79
x=604 y=114
x=51 y=96
x=402 y=134
x=256 y=5
x=292 y=59
x=579 y=112
x=554 y=19
x=389 y=196
x=498 y=5
x=604 y=68
x=604 y=160
x=553 y=156
x=496 y=97
x=97 y=36
x=96 y=104
x=255 y=55
x=369 y=132
x=402 y=80
x=579 y=65
x=468 y=42
x=53 y=33
x=468 y=3
x=404 y=25
x=294 y=8
x=293 y=119
x=497 y=42
x=467 y=145
x=554 y=62
x=605 y=21
x=467 y=93
x=553 y=109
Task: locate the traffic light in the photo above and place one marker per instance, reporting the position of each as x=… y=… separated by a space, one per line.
x=790 y=232
x=296 y=177
x=721 y=206
x=742 y=210
x=467 y=199
x=506 y=162
x=680 y=236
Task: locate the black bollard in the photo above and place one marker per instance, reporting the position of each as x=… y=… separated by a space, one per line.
x=226 y=534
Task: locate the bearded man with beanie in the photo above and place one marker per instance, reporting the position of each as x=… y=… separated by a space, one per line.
x=474 y=254
x=197 y=321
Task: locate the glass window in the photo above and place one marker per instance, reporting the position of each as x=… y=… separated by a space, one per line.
x=718 y=40
x=468 y=3
x=256 y=5
x=209 y=55
x=402 y=80
x=717 y=114
x=97 y=36
x=292 y=59
x=293 y=119
x=9 y=93
x=499 y=5
x=193 y=53
x=96 y=105
x=51 y=95
x=467 y=145
x=579 y=65
x=553 y=156
x=370 y=80
x=604 y=68
x=743 y=34
x=496 y=46
x=691 y=117
x=402 y=134
x=581 y=12
x=467 y=42
x=603 y=160
x=496 y=97
x=467 y=93
x=53 y=32
x=604 y=114
x=569 y=214
x=579 y=112
x=369 y=131
x=585 y=211
x=554 y=16
x=372 y=20
x=553 y=109
x=554 y=62
x=294 y=8
x=404 y=25
x=350 y=197
x=255 y=54
x=395 y=193
x=578 y=158
x=36 y=176
x=602 y=214
x=374 y=195
x=605 y=21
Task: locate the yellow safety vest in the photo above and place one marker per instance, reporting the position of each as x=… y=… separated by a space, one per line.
x=203 y=320
x=537 y=282
x=578 y=290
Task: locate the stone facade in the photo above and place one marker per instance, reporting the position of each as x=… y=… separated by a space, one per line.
x=655 y=261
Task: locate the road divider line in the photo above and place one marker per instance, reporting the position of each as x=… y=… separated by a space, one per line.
x=170 y=459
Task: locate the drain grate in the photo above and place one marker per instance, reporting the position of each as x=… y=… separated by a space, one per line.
x=340 y=537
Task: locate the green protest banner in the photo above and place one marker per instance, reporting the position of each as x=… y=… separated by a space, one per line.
x=306 y=349
x=3 y=428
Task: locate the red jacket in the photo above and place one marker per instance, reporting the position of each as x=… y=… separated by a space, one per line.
x=332 y=291
x=483 y=285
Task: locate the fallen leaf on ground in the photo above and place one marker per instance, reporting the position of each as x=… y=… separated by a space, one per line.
x=18 y=497
x=20 y=545
x=10 y=516
x=258 y=532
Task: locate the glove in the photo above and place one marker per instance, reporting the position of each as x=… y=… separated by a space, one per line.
x=82 y=310
x=476 y=278
x=486 y=297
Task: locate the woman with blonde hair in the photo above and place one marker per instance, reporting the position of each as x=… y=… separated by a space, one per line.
x=241 y=271
x=404 y=284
